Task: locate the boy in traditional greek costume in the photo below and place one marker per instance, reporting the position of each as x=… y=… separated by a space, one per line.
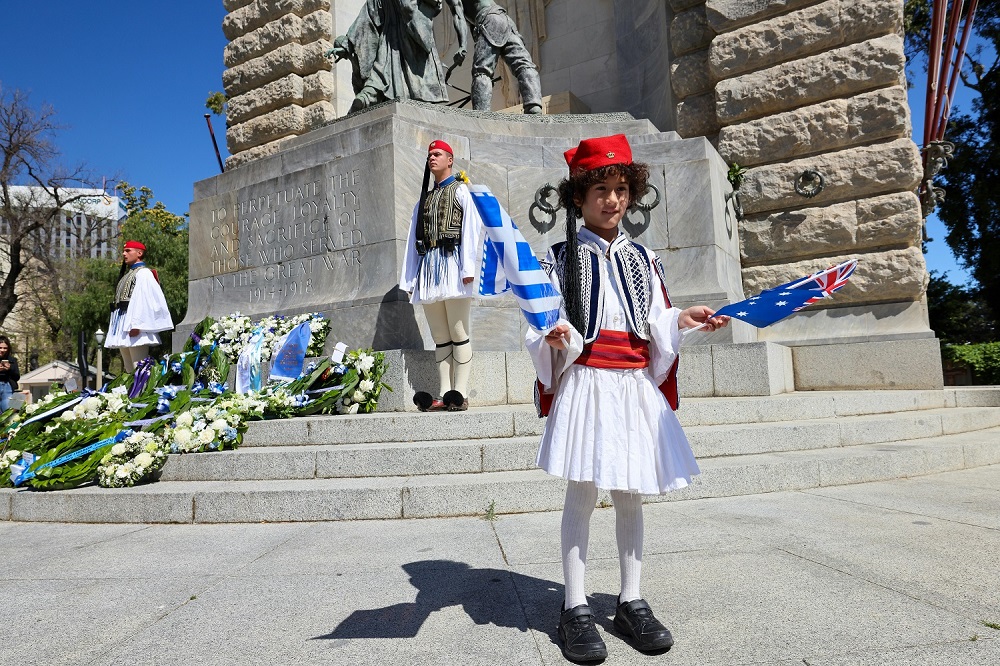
x=139 y=312
x=439 y=268
x=607 y=380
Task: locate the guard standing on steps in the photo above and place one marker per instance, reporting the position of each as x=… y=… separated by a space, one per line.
x=439 y=269
x=139 y=313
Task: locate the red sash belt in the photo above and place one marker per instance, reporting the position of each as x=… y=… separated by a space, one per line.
x=616 y=350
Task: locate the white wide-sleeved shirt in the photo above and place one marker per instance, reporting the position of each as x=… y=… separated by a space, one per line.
x=146 y=311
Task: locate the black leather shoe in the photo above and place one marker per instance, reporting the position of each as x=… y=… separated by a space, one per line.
x=578 y=633
x=634 y=619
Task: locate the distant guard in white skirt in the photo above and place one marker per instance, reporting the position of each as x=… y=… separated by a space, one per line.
x=608 y=384
x=139 y=313
x=439 y=269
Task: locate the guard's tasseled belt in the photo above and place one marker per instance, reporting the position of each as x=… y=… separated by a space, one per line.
x=617 y=350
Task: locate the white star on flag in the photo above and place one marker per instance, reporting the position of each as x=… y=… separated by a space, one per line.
x=785 y=293
x=743 y=314
x=782 y=303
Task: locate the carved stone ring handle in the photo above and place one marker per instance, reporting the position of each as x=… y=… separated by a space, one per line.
x=638 y=204
x=809 y=183
x=542 y=196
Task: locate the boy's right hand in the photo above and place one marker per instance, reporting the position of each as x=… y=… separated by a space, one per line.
x=558 y=337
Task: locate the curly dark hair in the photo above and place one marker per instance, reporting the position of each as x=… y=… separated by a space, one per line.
x=572 y=190
x=575 y=187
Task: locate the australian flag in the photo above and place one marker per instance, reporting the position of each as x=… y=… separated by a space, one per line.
x=510 y=265
x=773 y=305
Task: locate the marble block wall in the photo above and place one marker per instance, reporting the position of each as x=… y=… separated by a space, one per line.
x=277 y=80
x=321 y=225
x=612 y=55
x=786 y=86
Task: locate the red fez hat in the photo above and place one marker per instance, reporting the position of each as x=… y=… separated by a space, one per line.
x=135 y=245
x=439 y=144
x=595 y=153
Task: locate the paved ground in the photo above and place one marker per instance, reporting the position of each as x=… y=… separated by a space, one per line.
x=900 y=572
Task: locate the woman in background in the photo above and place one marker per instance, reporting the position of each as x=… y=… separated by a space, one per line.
x=9 y=374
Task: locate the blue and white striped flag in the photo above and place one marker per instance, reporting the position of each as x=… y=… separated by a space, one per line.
x=510 y=265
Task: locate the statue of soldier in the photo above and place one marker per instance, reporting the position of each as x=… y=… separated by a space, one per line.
x=496 y=36
x=393 y=54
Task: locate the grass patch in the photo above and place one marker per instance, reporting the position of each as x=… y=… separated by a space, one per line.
x=991 y=625
x=491 y=511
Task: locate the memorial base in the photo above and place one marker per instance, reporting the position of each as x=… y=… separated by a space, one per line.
x=323 y=224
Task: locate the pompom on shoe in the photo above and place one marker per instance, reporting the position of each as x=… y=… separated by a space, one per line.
x=455 y=401
x=427 y=403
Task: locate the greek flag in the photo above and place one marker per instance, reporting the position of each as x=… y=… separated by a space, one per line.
x=510 y=265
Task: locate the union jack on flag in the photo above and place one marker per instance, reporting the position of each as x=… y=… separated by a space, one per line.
x=774 y=304
x=827 y=282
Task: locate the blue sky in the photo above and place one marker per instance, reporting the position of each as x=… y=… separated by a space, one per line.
x=129 y=81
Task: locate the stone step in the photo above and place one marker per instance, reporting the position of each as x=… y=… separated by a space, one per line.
x=496 y=454
x=841 y=431
x=521 y=420
x=356 y=460
x=477 y=423
x=472 y=494
x=828 y=404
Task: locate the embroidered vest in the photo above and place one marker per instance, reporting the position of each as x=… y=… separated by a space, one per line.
x=123 y=292
x=631 y=270
x=441 y=218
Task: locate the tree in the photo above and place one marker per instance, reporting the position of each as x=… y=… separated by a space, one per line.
x=971 y=209
x=958 y=315
x=35 y=189
x=165 y=236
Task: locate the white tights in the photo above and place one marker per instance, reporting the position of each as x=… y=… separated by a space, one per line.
x=580 y=500
x=450 y=327
x=132 y=355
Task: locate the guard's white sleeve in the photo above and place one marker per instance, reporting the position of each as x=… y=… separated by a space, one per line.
x=472 y=224
x=147 y=307
x=664 y=334
x=411 y=258
x=551 y=363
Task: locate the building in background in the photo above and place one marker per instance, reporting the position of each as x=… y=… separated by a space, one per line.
x=85 y=227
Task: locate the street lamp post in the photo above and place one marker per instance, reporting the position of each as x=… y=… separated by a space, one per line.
x=99 y=337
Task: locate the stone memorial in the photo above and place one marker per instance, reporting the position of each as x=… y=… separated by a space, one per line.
x=808 y=96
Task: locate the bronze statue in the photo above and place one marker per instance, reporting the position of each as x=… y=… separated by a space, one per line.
x=497 y=37
x=393 y=54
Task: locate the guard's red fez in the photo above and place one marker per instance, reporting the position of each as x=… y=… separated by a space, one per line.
x=442 y=145
x=135 y=245
x=596 y=153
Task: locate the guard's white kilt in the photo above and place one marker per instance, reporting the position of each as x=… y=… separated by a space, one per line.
x=615 y=428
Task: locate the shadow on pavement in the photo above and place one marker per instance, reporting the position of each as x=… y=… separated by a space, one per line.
x=489 y=596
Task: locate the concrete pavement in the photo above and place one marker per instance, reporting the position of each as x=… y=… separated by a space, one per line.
x=893 y=572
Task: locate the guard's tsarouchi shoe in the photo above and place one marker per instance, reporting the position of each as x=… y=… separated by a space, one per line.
x=635 y=620
x=578 y=633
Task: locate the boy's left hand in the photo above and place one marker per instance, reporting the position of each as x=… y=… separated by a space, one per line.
x=701 y=314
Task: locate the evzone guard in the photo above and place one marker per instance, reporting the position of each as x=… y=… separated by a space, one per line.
x=439 y=270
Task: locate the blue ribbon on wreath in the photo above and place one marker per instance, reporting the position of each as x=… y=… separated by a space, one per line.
x=79 y=453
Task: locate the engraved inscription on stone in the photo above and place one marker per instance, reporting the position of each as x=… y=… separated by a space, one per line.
x=271 y=246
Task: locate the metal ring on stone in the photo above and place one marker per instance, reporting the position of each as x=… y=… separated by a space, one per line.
x=541 y=198
x=809 y=183
x=647 y=207
x=734 y=198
